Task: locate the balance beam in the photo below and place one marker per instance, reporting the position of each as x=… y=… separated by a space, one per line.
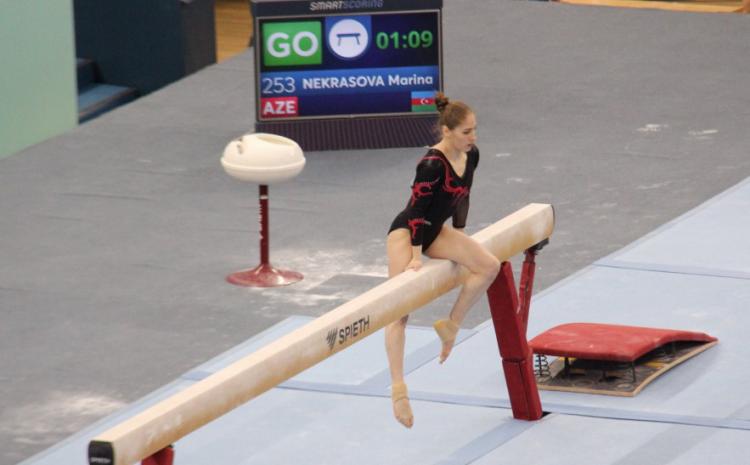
x=166 y=422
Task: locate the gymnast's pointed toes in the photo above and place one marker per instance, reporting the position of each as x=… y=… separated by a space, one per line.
x=406 y=418
x=447 y=331
x=401 y=406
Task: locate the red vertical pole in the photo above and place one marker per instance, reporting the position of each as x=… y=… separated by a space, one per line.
x=264 y=246
x=527 y=287
x=510 y=330
x=264 y=275
x=163 y=457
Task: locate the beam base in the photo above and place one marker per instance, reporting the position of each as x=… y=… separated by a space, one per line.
x=510 y=317
x=522 y=389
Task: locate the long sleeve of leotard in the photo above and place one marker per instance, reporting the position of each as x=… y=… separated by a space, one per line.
x=427 y=180
x=462 y=211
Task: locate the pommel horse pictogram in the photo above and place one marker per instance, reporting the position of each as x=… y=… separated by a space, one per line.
x=345 y=35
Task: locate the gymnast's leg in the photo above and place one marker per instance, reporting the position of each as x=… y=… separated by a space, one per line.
x=456 y=246
x=399 y=255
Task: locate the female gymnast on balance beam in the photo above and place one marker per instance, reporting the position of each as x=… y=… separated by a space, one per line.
x=440 y=191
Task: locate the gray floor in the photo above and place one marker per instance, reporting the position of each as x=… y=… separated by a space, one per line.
x=115 y=238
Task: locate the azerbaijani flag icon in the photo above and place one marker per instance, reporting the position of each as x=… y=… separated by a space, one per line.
x=423 y=101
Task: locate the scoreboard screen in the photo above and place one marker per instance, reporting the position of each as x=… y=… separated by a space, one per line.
x=342 y=65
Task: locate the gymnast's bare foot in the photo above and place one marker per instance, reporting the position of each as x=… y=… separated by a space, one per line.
x=401 y=405
x=447 y=330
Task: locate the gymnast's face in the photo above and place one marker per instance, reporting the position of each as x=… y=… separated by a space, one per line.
x=463 y=136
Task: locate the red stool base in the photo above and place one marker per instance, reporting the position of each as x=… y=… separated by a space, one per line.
x=264 y=275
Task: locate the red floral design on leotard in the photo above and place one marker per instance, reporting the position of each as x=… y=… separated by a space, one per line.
x=414 y=226
x=457 y=192
x=417 y=191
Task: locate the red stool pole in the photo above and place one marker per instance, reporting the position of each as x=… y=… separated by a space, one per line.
x=510 y=318
x=264 y=275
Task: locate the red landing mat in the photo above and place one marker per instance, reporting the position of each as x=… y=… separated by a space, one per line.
x=611 y=359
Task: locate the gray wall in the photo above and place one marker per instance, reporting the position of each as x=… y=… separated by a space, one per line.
x=38 y=77
x=145 y=44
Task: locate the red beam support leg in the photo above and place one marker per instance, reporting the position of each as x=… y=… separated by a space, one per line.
x=510 y=318
x=163 y=457
x=527 y=287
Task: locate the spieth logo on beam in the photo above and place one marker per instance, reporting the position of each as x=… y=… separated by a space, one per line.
x=344 y=334
x=331 y=337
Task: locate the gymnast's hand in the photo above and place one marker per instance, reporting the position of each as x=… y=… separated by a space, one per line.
x=415 y=264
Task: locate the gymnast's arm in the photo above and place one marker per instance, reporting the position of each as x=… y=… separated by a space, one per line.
x=416 y=258
x=426 y=182
x=462 y=210
x=461 y=213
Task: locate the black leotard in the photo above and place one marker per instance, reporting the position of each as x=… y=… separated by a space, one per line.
x=436 y=194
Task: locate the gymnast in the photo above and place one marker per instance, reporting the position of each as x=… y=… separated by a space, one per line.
x=440 y=190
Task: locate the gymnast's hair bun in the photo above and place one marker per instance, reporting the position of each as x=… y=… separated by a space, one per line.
x=441 y=101
x=451 y=113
